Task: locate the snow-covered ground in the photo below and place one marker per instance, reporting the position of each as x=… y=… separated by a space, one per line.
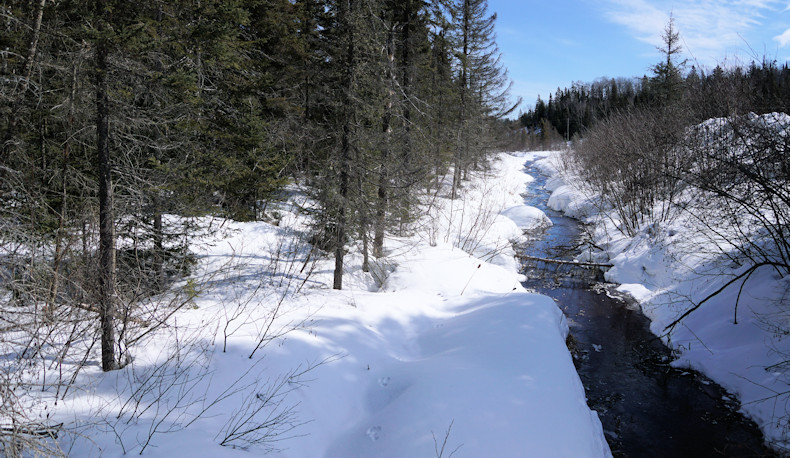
x=664 y=267
x=438 y=350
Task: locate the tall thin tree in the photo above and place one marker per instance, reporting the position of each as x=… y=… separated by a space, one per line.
x=106 y=219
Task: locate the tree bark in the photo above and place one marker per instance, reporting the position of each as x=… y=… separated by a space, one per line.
x=340 y=229
x=462 y=146
x=159 y=248
x=27 y=71
x=382 y=198
x=106 y=219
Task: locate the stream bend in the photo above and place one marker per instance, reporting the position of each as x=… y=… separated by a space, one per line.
x=647 y=408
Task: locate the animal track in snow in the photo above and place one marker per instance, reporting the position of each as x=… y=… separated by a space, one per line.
x=374 y=432
x=384 y=381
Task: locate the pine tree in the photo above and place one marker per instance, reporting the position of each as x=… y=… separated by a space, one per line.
x=441 y=94
x=106 y=212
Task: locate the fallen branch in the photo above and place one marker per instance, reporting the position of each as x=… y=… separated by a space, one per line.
x=39 y=431
x=561 y=261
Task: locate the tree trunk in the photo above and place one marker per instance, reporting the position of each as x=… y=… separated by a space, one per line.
x=106 y=225
x=406 y=66
x=364 y=223
x=159 y=249
x=382 y=197
x=347 y=118
x=462 y=146
x=340 y=229
x=27 y=71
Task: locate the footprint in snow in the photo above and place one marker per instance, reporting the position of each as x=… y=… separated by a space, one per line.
x=384 y=381
x=374 y=432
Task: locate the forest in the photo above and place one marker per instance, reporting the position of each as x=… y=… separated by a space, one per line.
x=762 y=87
x=118 y=116
x=125 y=123
x=117 y=113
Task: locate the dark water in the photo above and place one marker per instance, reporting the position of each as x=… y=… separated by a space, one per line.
x=647 y=408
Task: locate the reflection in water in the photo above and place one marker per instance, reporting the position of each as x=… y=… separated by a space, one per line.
x=647 y=408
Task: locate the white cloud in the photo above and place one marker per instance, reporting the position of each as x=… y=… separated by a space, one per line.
x=709 y=29
x=642 y=18
x=784 y=38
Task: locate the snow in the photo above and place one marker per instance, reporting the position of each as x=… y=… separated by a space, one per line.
x=439 y=346
x=527 y=218
x=664 y=267
x=456 y=377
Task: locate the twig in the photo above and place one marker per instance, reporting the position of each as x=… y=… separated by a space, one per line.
x=746 y=274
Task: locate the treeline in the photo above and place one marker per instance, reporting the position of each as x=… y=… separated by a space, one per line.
x=760 y=88
x=569 y=111
x=116 y=114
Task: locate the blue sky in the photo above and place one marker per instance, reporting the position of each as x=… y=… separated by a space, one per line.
x=552 y=43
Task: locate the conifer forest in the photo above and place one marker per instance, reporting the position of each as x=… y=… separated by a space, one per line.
x=348 y=141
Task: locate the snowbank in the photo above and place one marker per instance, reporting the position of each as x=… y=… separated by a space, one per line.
x=488 y=391
x=439 y=346
x=527 y=218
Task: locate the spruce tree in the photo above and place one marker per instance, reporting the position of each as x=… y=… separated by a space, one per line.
x=482 y=81
x=667 y=81
x=354 y=100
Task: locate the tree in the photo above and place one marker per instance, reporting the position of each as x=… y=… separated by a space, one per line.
x=483 y=84
x=28 y=62
x=667 y=81
x=354 y=104
x=106 y=214
x=441 y=94
x=402 y=162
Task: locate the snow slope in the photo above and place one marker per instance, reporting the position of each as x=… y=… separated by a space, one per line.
x=438 y=350
x=665 y=267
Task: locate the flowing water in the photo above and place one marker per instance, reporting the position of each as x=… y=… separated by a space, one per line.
x=647 y=408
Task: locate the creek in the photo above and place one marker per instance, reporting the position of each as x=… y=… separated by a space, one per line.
x=647 y=407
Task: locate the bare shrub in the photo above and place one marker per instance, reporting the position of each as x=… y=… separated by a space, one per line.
x=742 y=174
x=631 y=160
x=266 y=414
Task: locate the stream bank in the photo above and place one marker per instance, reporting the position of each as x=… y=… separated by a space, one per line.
x=647 y=408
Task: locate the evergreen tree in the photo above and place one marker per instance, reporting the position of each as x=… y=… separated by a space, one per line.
x=667 y=82
x=441 y=94
x=106 y=210
x=482 y=81
x=355 y=99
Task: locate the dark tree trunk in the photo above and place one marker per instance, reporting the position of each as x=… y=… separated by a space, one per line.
x=406 y=65
x=106 y=225
x=382 y=198
x=159 y=249
x=347 y=118
x=340 y=230
x=462 y=148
